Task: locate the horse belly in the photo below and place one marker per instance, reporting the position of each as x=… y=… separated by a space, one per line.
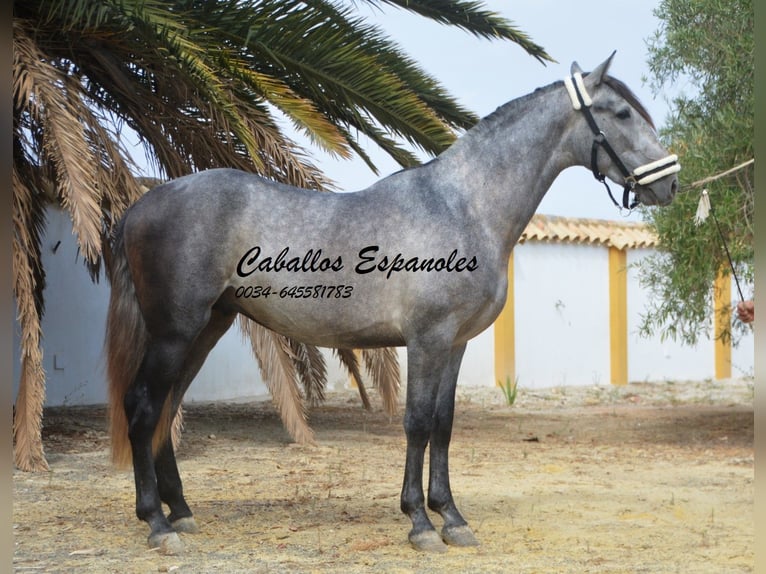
x=327 y=321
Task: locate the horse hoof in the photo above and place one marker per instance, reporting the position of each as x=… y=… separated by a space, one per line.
x=459 y=535
x=427 y=541
x=187 y=525
x=168 y=543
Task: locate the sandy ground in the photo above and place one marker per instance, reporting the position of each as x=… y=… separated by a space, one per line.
x=644 y=478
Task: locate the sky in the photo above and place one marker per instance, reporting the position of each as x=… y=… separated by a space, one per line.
x=484 y=74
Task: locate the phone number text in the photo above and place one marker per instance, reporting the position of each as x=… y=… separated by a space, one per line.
x=295 y=292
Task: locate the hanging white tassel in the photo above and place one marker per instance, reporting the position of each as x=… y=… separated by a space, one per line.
x=703 y=208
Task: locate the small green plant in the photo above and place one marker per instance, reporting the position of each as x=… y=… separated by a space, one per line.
x=510 y=389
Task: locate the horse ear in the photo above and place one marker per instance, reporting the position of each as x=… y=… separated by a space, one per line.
x=575 y=68
x=595 y=77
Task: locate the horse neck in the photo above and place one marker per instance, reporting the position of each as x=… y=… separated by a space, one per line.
x=505 y=164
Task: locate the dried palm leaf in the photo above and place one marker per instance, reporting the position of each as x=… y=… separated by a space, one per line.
x=275 y=360
x=27 y=283
x=383 y=366
x=311 y=369
x=348 y=359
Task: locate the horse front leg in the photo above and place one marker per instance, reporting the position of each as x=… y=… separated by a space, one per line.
x=455 y=530
x=425 y=363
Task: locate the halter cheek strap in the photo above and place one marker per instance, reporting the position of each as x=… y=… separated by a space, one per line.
x=642 y=175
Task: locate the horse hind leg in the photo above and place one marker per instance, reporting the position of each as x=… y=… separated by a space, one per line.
x=144 y=403
x=165 y=373
x=166 y=469
x=170 y=490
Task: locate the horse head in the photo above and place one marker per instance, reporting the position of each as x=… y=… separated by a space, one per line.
x=623 y=143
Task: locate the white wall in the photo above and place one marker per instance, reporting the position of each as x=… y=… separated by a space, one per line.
x=73 y=324
x=562 y=314
x=562 y=330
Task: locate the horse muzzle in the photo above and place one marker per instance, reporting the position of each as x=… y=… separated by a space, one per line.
x=651 y=172
x=655 y=183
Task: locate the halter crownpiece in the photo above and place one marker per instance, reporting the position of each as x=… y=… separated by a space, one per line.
x=575 y=85
x=642 y=175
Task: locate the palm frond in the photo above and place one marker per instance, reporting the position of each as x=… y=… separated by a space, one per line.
x=92 y=176
x=275 y=360
x=302 y=112
x=27 y=287
x=349 y=360
x=347 y=67
x=473 y=17
x=311 y=369
x=383 y=366
x=52 y=98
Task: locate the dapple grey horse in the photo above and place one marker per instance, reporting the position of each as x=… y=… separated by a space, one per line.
x=419 y=259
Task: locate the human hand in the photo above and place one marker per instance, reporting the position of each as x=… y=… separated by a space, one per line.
x=746 y=311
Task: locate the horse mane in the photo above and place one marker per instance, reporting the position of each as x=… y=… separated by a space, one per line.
x=511 y=108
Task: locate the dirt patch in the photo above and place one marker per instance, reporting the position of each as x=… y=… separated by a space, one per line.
x=645 y=478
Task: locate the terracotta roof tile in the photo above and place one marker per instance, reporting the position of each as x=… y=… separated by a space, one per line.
x=617 y=234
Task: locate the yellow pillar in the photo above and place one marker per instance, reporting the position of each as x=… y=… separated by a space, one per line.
x=618 y=316
x=722 y=322
x=505 y=336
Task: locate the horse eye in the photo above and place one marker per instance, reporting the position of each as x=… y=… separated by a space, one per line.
x=623 y=114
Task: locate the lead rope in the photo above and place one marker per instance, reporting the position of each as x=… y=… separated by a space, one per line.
x=704 y=207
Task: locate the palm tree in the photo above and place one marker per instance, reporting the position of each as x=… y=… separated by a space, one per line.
x=202 y=83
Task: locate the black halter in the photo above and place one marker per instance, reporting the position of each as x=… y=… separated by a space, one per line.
x=601 y=141
x=643 y=174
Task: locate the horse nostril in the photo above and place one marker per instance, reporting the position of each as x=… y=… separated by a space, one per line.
x=674 y=187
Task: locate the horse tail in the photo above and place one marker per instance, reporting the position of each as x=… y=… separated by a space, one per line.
x=125 y=346
x=126 y=338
